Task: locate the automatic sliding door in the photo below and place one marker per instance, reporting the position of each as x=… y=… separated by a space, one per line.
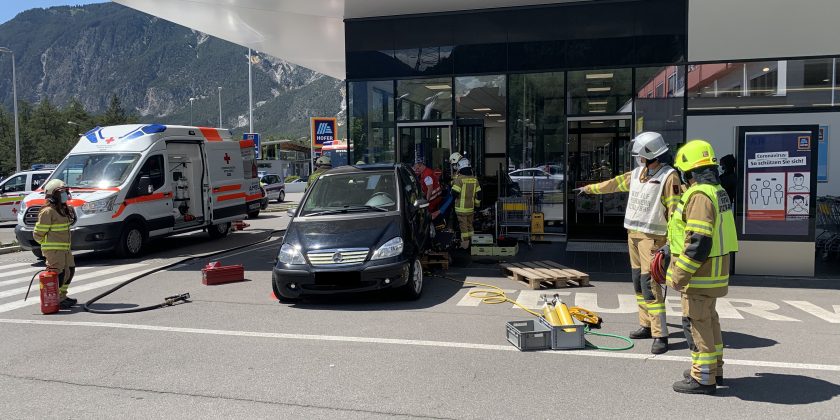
x=431 y=143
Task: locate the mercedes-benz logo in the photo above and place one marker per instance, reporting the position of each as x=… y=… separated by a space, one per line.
x=337 y=258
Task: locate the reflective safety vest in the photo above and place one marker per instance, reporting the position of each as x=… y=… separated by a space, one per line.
x=645 y=211
x=467 y=187
x=315 y=175
x=52 y=230
x=723 y=233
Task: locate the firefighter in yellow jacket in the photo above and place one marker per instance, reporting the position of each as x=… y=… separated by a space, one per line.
x=701 y=237
x=467 y=195
x=52 y=232
x=655 y=191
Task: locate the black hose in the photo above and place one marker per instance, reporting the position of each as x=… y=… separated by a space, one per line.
x=168 y=301
x=32 y=280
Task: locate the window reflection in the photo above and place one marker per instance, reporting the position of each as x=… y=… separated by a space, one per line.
x=371 y=126
x=600 y=91
x=659 y=101
x=424 y=99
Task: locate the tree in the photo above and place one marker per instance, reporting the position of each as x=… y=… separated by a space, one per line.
x=116 y=114
x=48 y=133
x=7 y=143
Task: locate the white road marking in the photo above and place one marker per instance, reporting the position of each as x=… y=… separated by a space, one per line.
x=626 y=303
x=117 y=269
x=15 y=265
x=760 y=308
x=832 y=317
x=725 y=309
x=407 y=342
x=24 y=276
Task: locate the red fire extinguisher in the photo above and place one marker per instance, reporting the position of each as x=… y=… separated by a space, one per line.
x=48 y=280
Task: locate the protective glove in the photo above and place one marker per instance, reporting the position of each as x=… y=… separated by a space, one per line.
x=666 y=255
x=580 y=191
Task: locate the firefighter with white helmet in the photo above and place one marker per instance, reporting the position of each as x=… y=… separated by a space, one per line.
x=655 y=191
x=467 y=195
x=701 y=238
x=322 y=164
x=52 y=232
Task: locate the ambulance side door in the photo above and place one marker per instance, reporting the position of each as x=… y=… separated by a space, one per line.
x=227 y=186
x=155 y=203
x=11 y=193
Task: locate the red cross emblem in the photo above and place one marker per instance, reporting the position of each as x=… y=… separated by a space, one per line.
x=227 y=159
x=14 y=211
x=109 y=140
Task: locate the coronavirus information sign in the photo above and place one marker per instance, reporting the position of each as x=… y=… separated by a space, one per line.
x=778 y=166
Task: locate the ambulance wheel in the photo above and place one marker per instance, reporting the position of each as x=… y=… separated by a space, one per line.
x=253 y=214
x=131 y=241
x=219 y=231
x=38 y=254
x=414 y=287
x=282 y=197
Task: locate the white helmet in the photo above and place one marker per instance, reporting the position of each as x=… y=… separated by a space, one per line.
x=463 y=163
x=649 y=145
x=454 y=158
x=53 y=185
x=324 y=160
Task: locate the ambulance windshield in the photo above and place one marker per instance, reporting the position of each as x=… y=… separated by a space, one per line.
x=105 y=170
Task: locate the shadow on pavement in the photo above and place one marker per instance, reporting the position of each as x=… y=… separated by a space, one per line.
x=779 y=388
x=98 y=306
x=731 y=339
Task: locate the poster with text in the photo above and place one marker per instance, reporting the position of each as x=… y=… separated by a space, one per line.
x=776 y=166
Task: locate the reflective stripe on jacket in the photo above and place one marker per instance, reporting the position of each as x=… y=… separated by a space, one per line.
x=467 y=188
x=52 y=231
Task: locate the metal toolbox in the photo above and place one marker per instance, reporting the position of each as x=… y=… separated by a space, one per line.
x=529 y=335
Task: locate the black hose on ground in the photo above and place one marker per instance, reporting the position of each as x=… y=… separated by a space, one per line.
x=171 y=300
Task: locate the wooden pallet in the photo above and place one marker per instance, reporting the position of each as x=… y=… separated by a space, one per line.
x=435 y=260
x=548 y=274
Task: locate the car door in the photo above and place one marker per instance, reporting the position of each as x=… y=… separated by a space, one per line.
x=12 y=192
x=417 y=219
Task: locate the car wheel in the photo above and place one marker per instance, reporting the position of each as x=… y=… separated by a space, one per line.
x=219 y=231
x=132 y=240
x=38 y=254
x=414 y=287
x=282 y=197
x=253 y=214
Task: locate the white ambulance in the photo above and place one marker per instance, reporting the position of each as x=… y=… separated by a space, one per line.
x=133 y=183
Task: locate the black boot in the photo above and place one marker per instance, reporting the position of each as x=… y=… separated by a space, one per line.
x=691 y=386
x=642 y=332
x=718 y=379
x=659 y=346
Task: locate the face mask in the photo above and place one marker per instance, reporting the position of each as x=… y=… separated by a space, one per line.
x=63 y=196
x=685 y=177
x=639 y=161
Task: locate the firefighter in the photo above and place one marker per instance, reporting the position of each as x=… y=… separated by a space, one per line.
x=701 y=237
x=430 y=183
x=52 y=231
x=655 y=191
x=466 y=192
x=322 y=164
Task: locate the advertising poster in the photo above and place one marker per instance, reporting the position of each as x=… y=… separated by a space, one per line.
x=822 y=155
x=777 y=166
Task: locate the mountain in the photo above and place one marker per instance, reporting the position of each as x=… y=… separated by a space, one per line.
x=155 y=66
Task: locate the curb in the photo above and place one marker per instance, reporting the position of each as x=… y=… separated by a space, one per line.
x=9 y=249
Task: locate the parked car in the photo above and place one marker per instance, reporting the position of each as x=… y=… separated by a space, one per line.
x=14 y=188
x=537 y=179
x=357 y=229
x=275 y=187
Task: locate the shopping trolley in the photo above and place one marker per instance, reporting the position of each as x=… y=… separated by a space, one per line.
x=828 y=221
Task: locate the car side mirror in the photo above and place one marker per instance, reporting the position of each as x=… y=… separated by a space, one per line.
x=290 y=212
x=421 y=203
x=144 y=185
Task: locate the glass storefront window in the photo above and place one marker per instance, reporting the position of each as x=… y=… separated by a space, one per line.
x=659 y=102
x=762 y=85
x=481 y=108
x=594 y=92
x=371 y=121
x=424 y=99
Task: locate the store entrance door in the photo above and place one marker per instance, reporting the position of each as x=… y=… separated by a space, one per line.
x=599 y=149
x=430 y=141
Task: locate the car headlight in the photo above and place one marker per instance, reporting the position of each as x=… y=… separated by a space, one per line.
x=22 y=206
x=389 y=249
x=99 y=206
x=290 y=254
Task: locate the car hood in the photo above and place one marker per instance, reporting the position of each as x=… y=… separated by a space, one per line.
x=343 y=232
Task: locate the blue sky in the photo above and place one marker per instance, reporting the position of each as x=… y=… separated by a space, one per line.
x=10 y=8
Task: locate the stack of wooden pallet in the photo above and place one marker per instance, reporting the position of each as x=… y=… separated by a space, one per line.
x=544 y=274
x=433 y=260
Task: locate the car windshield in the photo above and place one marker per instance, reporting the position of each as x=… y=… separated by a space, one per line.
x=356 y=192
x=103 y=170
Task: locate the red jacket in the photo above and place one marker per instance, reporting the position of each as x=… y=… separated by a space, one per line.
x=431 y=189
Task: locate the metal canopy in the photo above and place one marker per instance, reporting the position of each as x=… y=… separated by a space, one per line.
x=309 y=33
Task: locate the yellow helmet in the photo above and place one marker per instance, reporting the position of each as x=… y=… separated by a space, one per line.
x=695 y=154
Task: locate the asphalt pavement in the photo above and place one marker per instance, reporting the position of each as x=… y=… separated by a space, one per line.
x=233 y=351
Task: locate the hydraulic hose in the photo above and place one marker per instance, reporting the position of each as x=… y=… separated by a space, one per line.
x=170 y=300
x=495 y=295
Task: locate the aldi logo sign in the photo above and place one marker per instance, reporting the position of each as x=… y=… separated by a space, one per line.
x=323 y=131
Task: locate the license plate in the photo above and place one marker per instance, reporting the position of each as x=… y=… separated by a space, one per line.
x=254 y=206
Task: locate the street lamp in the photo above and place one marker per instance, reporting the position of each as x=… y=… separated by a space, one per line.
x=77 y=125
x=14 y=98
x=220 y=107
x=251 y=60
x=191 y=113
